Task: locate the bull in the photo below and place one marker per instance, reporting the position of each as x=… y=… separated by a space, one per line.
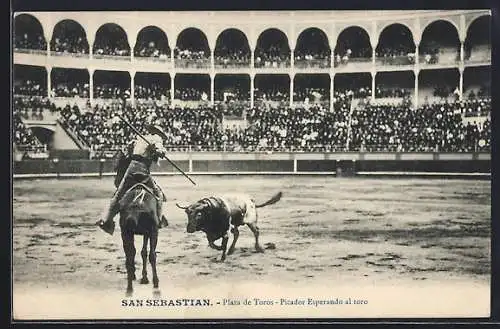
x=218 y=216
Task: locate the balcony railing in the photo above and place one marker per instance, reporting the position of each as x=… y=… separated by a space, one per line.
x=273 y=64
x=231 y=64
x=152 y=59
x=395 y=60
x=77 y=55
x=31 y=51
x=313 y=63
x=202 y=63
x=112 y=57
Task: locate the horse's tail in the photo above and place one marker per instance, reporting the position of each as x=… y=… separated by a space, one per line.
x=273 y=200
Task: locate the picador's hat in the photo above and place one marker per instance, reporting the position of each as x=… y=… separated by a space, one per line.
x=156 y=130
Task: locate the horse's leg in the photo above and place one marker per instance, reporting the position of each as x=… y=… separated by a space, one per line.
x=225 y=238
x=152 y=256
x=144 y=254
x=255 y=231
x=129 y=248
x=236 y=234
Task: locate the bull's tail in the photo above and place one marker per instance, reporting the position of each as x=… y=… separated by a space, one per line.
x=273 y=200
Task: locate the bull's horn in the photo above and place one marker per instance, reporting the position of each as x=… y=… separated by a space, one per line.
x=179 y=206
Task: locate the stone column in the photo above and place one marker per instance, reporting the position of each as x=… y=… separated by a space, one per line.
x=49 y=81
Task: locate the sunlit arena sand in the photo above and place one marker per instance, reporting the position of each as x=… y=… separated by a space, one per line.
x=402 y=247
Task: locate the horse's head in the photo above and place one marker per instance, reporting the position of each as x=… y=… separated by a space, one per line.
x=197 y=213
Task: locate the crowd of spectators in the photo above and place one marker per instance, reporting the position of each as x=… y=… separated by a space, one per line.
x=30 y=41
x=358 y=54
x=70 y=44
x=23 y=136
x=104 y=47
x=191 y=94
x=150 y=49
x=434 y=127
x=431 y=127
x=30 y=88
x=274 y=57
x=153 y=91
x=400 y=54
x=235 y=94
x=304 y=58
x=361 y=92
x=70 y=89
x=392 y=92
x=275 y=94
x=102 y=128
x=311 y=95
x=107 y=91
x=226 y=57
x=32 y=108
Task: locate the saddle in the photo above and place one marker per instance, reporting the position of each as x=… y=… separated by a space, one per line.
x=147 y=182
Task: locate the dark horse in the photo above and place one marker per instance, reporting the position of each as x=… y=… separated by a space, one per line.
x=138 y=216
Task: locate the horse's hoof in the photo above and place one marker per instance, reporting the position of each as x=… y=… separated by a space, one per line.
x=129 y=293
x=230 y=251
x=144 y=281
x=156 y=293
x=134 y=277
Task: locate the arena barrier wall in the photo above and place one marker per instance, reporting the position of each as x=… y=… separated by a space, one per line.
x=336 y=164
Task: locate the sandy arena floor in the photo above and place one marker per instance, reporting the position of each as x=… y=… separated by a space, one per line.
x=406 y=247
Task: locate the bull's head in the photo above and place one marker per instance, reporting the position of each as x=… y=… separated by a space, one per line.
x=196 y=214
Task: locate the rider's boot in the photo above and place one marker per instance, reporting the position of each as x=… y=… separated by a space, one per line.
x=108 y=224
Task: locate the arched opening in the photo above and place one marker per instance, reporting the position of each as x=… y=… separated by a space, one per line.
x=353 y=46
x=192 y=88
x=311 y=89
x=396 y=85
x=312 y=49
x=440 y=43
x=69 y=37
x=192 y=50
x=477 y=44
x=232 y=87
x=152 y=42
x=111 y=40
x=232 y=49
x=272 y=49
x=30 y=80
x=28 y=34
x=23 y=137
x=112 y=85
x=395 y=46
x=70 y=83
x=477 y=82
x=152 y=86
x=44 y=135
x=435 y=86
x=347 y=85
x=274 y=88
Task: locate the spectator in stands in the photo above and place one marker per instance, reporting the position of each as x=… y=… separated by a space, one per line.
x=70 y=44
x=150 y=49
x=106 y=47
x=30 y=88
x=273 y=57
x=71 y=90
x=30 y=42
x=227 y=57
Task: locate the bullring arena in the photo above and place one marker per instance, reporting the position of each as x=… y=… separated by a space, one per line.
x=374 y=125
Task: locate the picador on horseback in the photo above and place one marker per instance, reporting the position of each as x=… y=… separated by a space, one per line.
x=134 y=167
